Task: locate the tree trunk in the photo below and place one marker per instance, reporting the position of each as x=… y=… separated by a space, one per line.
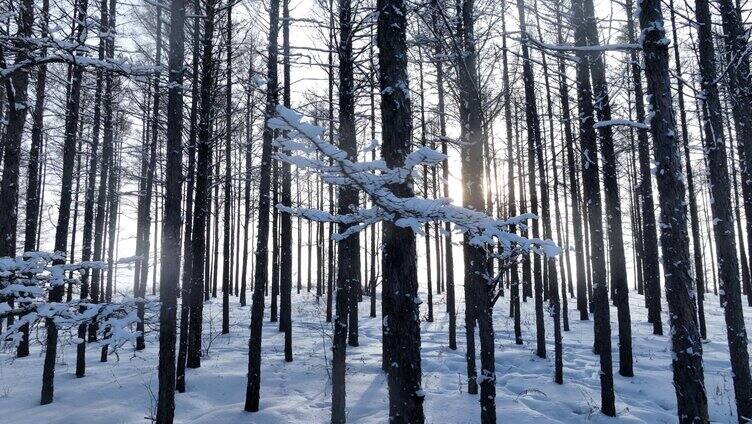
x=104 y=173
x=66 y=185
x=203 y=188
x=285 y=321
x=348 y=259
x=423 y=142
x=740 y=90
x=591 y=195
x=33 y=187
x=686 y=344
x=441 y=109
x=18 y=108
x=170 y=269
x=533 y=135
x=400 y=275
x=649 y=248
x=262 y=256
x=185 y=287
x=617 y=260
x=514 y=281
x=723 y=220
x=226 y=248
x=699 y=274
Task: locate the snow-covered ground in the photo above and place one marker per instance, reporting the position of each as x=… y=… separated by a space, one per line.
x=123 y=390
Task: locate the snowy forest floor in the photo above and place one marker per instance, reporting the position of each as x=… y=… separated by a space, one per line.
x=123 y=389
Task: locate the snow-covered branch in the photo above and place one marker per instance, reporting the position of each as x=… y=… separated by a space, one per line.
x=375 y=179
x=597 y=48
x=621 y=122
x=25 y=284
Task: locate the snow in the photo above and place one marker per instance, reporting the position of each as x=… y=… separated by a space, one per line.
x=407 y=212
x=123 y=389
x=621 y=122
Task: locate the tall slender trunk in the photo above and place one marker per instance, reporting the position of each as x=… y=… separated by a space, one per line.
x=147 y=187
x=262 y=255
x=591 y=195
x=649 y=248
x=469 y=277
x=372 y=98
x=579 y=251
x=723 y=219
x=477 y=287
x=113 y=202
x=104 y=173
x=250 y=106
x=557 y=304
x=330 y=242
x=203 y=189
x=612 y=201
x=185 y=286
x=18 y=107
x=686 y=345
x=215 y=166
x=423 y=142
x=534 y=144
x=170 y=269
x=33 y=187
x=401 y=321
x=514 y=279
x=441 y=110
x=699 y=274
x=348 y=259
x=66 y=185
x=274 y=307
x=740 y=89
x=285 y=319
x=226 y=247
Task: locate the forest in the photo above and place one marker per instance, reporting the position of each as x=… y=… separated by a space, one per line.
x=370 y=211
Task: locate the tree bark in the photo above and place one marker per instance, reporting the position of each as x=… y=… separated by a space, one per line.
x=201 y=203
x=616 y=257
x=591 y=195
x=740 y=89
x=723 y=220
x=686 y=344
x=262 y=255
x=226 y=247
x=66 y=185
x=170 y=269
x=285 y=320
x=33 y=185
x=399 y=263
x=534 y=136
x=185 y=287
x=18 y=108
x=514 y=279
x=348 y=259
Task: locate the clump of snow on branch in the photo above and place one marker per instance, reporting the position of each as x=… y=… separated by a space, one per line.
x=25 y=285
x=375 y=178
